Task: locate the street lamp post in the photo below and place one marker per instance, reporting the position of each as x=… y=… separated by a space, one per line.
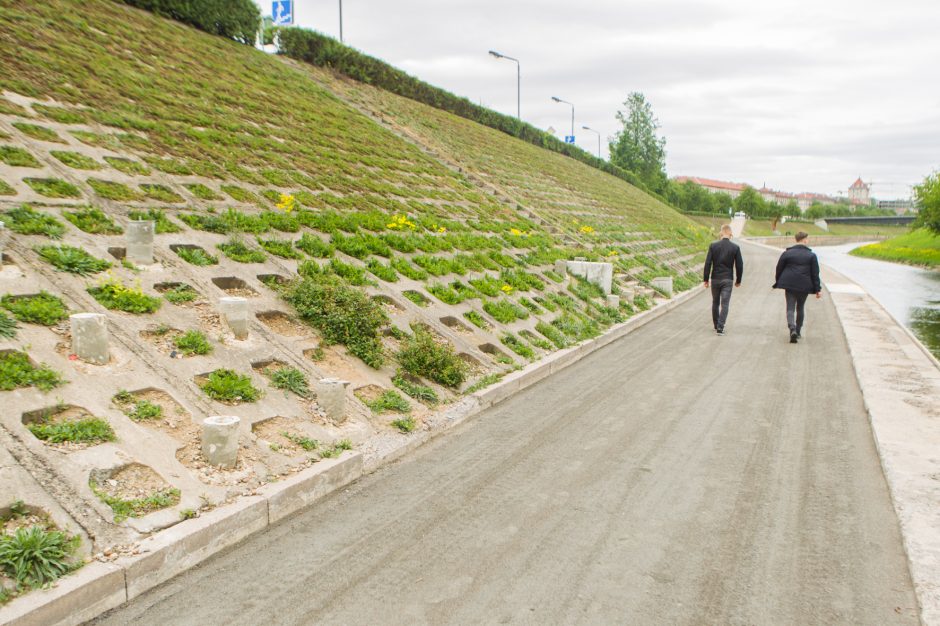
x=518 y=81
x=572 y=112
x=341 y=21
x=598 y=140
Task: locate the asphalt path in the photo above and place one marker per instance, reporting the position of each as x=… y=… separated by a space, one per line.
x=673 y=477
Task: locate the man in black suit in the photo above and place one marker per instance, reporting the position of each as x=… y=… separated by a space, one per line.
x=722 y=263
x=798 y=274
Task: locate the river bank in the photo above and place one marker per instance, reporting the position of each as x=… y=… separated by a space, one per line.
x=918 y=247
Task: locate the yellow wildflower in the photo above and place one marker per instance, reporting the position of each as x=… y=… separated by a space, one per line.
x=587 y=230
x=506 y=288
x=287 y=204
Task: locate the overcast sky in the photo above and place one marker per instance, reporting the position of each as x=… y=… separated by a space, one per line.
x=803 y=95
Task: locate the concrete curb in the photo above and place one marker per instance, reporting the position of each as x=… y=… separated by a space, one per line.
x=100 y=587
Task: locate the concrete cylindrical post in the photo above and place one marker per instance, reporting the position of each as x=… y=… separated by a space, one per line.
x=90 y=337
x=663 y=284
x=612 y=301
x=331 y=396
x=220 y=440
x=235 y=312
x=561 y=267
x=140 y=241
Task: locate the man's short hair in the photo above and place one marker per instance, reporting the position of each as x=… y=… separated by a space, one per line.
x=800 y=236
x=726 y=229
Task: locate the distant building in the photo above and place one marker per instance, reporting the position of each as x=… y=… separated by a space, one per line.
x=898 y=206
x=859 y=192
x=806 y=199
x=714 y=186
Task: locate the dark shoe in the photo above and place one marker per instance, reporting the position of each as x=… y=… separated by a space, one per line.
x=720 y=331
x=794 y=336
x=799 y=335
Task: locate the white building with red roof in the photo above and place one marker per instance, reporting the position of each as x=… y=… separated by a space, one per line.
x=860 y=192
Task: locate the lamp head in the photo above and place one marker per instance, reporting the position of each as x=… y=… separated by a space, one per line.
x=585 y=128
x=496 y=54
x=556 y=99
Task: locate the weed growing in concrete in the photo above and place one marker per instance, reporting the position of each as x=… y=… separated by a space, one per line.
x=196 y=256
x=484 y=382
x=93 y=220
x=161 y=193
x=85 y=430
x=305 y=443
x=280 y=248
x=415 y=297
x=487 y=285
x=512 y=342
x=17 y=157
x=95 y=139
x=114 y=191
x=181 y=294
x=553 y=334
x=27 y=221
x=421 y=355
x=405 y=268
x=168 y=166
x=16 y=371
x=60 y=114
x=505 y=311
x=8 y=326
x=71 y=259
x=385 y=272
x=128 y=166
x=336 y=450
x=415 y=390
x=36 y=557
x=521 y=280
x=314 y=246
x=241 y=253
x=38 y=132
x=291 y=379
x=53 y=187
x=6 y=190
x=193 y=343
x=642 y=303
x=536 y=341
x=186 y=514
x=585 y=290
x=476 y=319
x=342 y=313
x=202 y=192
x=139 y=506
x=162 y=224
x=575 y=326
x=229 y=386
x=390 y=400
x=76 y=160
x=405 y=424
x=42 y=308
x=115 y=295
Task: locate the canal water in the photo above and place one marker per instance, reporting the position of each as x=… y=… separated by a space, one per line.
x=910 y=294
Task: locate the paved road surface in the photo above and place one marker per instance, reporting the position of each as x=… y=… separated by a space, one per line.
x=675 y=477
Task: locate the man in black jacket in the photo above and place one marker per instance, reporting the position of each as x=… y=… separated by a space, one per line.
x=722 y=263
x=798 y=274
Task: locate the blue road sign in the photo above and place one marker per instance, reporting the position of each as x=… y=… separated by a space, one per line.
x=282 y=12
x=569 y=138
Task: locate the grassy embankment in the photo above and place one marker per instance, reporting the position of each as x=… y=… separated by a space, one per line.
x=918 y=247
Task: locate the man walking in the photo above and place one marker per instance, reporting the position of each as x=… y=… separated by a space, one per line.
x=722 y=263
x=798 y=274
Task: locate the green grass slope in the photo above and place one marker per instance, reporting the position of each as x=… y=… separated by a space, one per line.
x=918 y=247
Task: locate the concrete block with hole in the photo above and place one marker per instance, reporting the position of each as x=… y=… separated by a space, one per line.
x=601 y=274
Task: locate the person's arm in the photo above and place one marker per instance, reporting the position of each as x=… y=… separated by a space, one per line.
x=817 y=284
x=781 y=263
x=708 y=265
x=738 y=266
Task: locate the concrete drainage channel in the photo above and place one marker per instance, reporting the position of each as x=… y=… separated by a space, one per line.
x=99 y=587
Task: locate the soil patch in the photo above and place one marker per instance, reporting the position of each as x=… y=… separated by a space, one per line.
x=283 y=437
x=283 y=324
x=131 y=482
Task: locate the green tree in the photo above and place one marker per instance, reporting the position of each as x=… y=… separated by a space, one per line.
x=637 y=148
x=750 y=202
x=723 y=202
x=927 y=195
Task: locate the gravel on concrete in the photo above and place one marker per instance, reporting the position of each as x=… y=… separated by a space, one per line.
x=673 y=477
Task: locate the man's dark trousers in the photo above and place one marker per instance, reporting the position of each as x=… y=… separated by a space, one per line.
x=721 y=300
x=795 y=303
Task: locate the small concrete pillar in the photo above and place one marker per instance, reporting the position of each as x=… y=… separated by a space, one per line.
x=331 y=396
x=235 y=312
x=663 y=284
x=561 y=267
x=612 y=301
x=140 y=241
x=90 y=337
x=220 y=440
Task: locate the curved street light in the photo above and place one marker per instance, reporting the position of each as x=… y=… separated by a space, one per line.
x=518 y=80
x=572 y=112
x=598 y=140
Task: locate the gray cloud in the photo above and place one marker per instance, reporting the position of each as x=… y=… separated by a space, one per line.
x=805 y=95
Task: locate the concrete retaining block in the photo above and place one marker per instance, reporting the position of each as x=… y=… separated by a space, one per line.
x=601 y=274
x=82 y=596
x=498 y=392
x=300 y=491
x=187 y=544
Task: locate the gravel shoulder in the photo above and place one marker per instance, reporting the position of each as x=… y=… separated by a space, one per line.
x=672 y=477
